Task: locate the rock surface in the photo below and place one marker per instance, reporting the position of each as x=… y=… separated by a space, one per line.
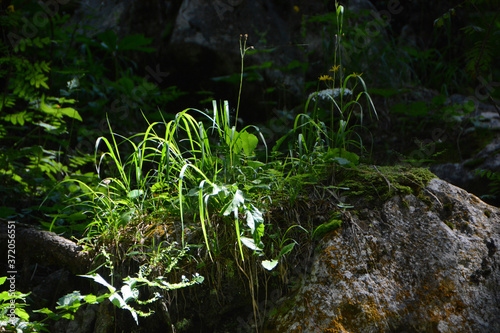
x=417 y=264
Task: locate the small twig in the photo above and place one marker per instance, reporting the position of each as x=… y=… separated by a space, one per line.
x=387 y=181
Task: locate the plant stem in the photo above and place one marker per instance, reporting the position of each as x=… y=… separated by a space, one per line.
x=243 y=50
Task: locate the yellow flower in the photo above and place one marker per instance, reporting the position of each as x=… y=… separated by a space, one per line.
x=356 y=75
x=335 y=68
x=325 y=78
x=10 y=9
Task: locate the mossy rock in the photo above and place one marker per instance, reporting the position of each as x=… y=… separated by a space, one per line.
x=376 y=184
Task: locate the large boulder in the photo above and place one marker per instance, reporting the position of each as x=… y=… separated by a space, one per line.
x=417 y=263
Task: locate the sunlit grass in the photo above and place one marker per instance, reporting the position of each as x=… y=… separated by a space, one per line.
x=204 y=174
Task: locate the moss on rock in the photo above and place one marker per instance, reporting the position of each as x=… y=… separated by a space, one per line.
x=375 y=184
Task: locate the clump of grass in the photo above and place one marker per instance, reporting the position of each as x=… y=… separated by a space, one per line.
x=199 y=174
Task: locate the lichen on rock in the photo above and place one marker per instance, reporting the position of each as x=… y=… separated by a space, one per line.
x=399 y=267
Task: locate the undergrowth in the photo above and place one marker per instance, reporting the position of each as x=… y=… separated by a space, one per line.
x=197 y=188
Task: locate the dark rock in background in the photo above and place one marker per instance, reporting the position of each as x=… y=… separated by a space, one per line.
x=465 y=173
x=197 y=43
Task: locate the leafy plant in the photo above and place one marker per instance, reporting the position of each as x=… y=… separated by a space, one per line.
x=13 y=316
x=494 y=185
x=12 y=303
x=479 y=35
x=34 y=124
x=122 y=299
x=311 y=132
x=286 y=245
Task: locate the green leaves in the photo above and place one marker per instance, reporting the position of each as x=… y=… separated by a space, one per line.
x=28 y=42
x=270 y=264
x=18 y=299
x=57 y=111
x=30 y=119
x=285 y=249
x=245 y=142
x=128 y=293
x=342 y=157
x=19 y=118
x=235 y=203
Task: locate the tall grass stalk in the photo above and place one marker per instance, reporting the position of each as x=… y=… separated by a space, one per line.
x=243 y=50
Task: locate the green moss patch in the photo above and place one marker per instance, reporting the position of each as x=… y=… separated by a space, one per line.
x=375 y=184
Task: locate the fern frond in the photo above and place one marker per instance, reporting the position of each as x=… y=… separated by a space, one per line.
x=480 y=57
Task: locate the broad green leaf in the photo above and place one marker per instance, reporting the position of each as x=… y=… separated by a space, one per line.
x=20 y=118
x=250 y=221
x=38 y=43
x=68 y=316
x=255 y=222
x=250 y=243
x=97 y=278
x=135 y=194
x=269 y=265
x=237 y=200
x=248 y=142
x=45 y=311
x=47 y=108
x=286 y=249
x=4 y=295
x=118 y=301
x=70 y=112
x=342 y=156
x=70 y=299
x=342 y=161
x=258 y=233
x=126 y=217
x=21 y=313
x=255 y=164
x=2 y=280
x=91 y=299
x=129 y=293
